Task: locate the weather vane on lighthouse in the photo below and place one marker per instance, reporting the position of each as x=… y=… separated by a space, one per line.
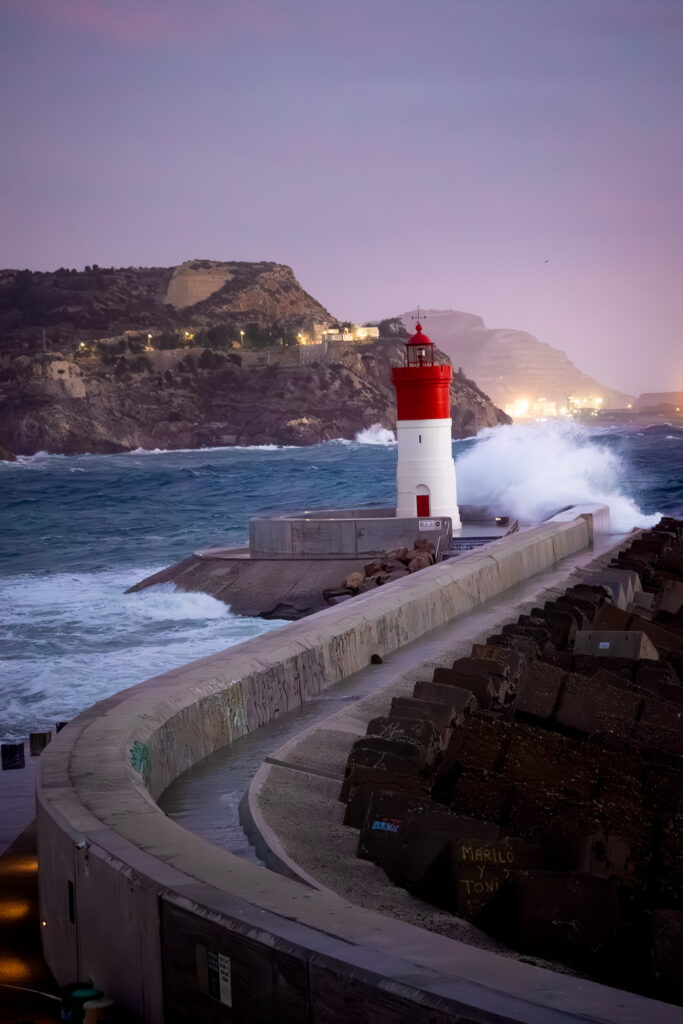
x=425 y=474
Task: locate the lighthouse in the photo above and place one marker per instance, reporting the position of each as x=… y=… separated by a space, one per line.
x=425 y=475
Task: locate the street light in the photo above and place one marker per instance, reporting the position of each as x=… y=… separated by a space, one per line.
x=149 y=341
x=242 y=341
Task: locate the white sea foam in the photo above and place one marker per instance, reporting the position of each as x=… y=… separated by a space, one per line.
x=71 y=639
x=376 y=434
x=531 y=471
x=215 y=448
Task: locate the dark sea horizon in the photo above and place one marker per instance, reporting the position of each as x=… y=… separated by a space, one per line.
x=79 y=530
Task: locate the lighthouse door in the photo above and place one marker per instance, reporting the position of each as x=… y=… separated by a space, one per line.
x=422 y=504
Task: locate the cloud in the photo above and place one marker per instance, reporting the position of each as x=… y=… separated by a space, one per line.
x=154 y=24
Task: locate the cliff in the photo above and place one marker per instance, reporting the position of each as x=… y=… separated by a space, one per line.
x=510 y=364
x=67 y=307
x=106 y=360
x=188 y=398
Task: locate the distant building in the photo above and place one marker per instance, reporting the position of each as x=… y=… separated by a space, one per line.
x=356 y=333
x=660 y=401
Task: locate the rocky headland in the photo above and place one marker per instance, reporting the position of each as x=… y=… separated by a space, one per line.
x=199 y=355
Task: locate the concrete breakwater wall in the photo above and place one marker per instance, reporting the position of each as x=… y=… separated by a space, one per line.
x=164 y=921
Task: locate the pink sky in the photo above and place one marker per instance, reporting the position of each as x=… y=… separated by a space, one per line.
x=390 y=152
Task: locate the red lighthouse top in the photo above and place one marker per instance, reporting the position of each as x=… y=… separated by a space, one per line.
x=422 y=387
x=419 y=349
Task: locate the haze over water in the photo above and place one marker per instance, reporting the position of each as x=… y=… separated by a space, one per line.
x=79 y=530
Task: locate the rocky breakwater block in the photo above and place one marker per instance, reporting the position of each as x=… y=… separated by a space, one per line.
x=652 y=547
x=541 y=634
x=663 y=639
x=376 y=762
x=515 y=660
x=631 y=644
x=671 y=597
x=568 y=607
x=603 y=855
x=623 y=584
x=445 y=717
x=416 y=855
x=478 y=869
x=561 y=623
x=424 y=867
x=542 y=760
x=581 y=602
x=658 y=678
x=611 y=618
x=386 y=813
x=561 y=915
x=666 y=936
x=485 y=688
x=638 y=565
x=497 y=669
x=481 y=743
x=669 y=863
x=660 y=726
x=592 y=705
x=539 y=693
x=412 y=730
x=455 y=697
x=531 y=649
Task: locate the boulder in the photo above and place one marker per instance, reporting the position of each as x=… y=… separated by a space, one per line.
x=373 y=568
x=425 y=545
x=354 y=580
x=421 y=560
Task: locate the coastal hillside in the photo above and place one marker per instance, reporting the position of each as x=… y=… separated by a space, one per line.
x=510 y=365
x=189 y=398
x=207 y=353
x=63 y=308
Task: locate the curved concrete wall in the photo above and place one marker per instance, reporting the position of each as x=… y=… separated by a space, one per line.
x=134 y=902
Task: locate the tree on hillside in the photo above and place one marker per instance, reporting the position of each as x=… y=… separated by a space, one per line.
x=219 y=336
x=393 y=326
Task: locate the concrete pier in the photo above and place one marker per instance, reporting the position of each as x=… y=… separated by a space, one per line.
x=173 y=927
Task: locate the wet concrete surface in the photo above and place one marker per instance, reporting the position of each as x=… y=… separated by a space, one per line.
x=205 y=799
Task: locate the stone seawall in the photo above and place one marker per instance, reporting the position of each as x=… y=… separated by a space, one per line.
x=140 y=905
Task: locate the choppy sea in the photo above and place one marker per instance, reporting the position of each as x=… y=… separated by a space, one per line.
x=78 y=530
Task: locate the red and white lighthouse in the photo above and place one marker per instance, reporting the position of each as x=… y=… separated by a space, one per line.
x=425 y=475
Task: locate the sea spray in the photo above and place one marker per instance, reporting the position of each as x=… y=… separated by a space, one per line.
x=78 y=530
x=71 y=639
x=531 y=471
x=376 y=434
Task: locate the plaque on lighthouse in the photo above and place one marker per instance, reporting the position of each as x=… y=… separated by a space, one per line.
x=425 y=474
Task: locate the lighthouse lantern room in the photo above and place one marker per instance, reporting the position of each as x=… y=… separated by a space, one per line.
x=425 y=474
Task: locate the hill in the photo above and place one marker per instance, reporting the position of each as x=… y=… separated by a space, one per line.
x=113 y=360
x=510 y=365
x=67 y=307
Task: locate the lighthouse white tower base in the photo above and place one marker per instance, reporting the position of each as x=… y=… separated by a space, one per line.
x=425 y=474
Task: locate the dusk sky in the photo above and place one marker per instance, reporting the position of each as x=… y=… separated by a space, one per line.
x=518 y=159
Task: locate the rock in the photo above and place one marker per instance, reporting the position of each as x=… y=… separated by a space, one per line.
x=424 y=545
x=397 y=574
x=420 y=561
x=354 y=580
x=399 y=555
x=6 y=456
x=373 y=568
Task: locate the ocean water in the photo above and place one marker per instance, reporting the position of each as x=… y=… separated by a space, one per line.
x=77 y=531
